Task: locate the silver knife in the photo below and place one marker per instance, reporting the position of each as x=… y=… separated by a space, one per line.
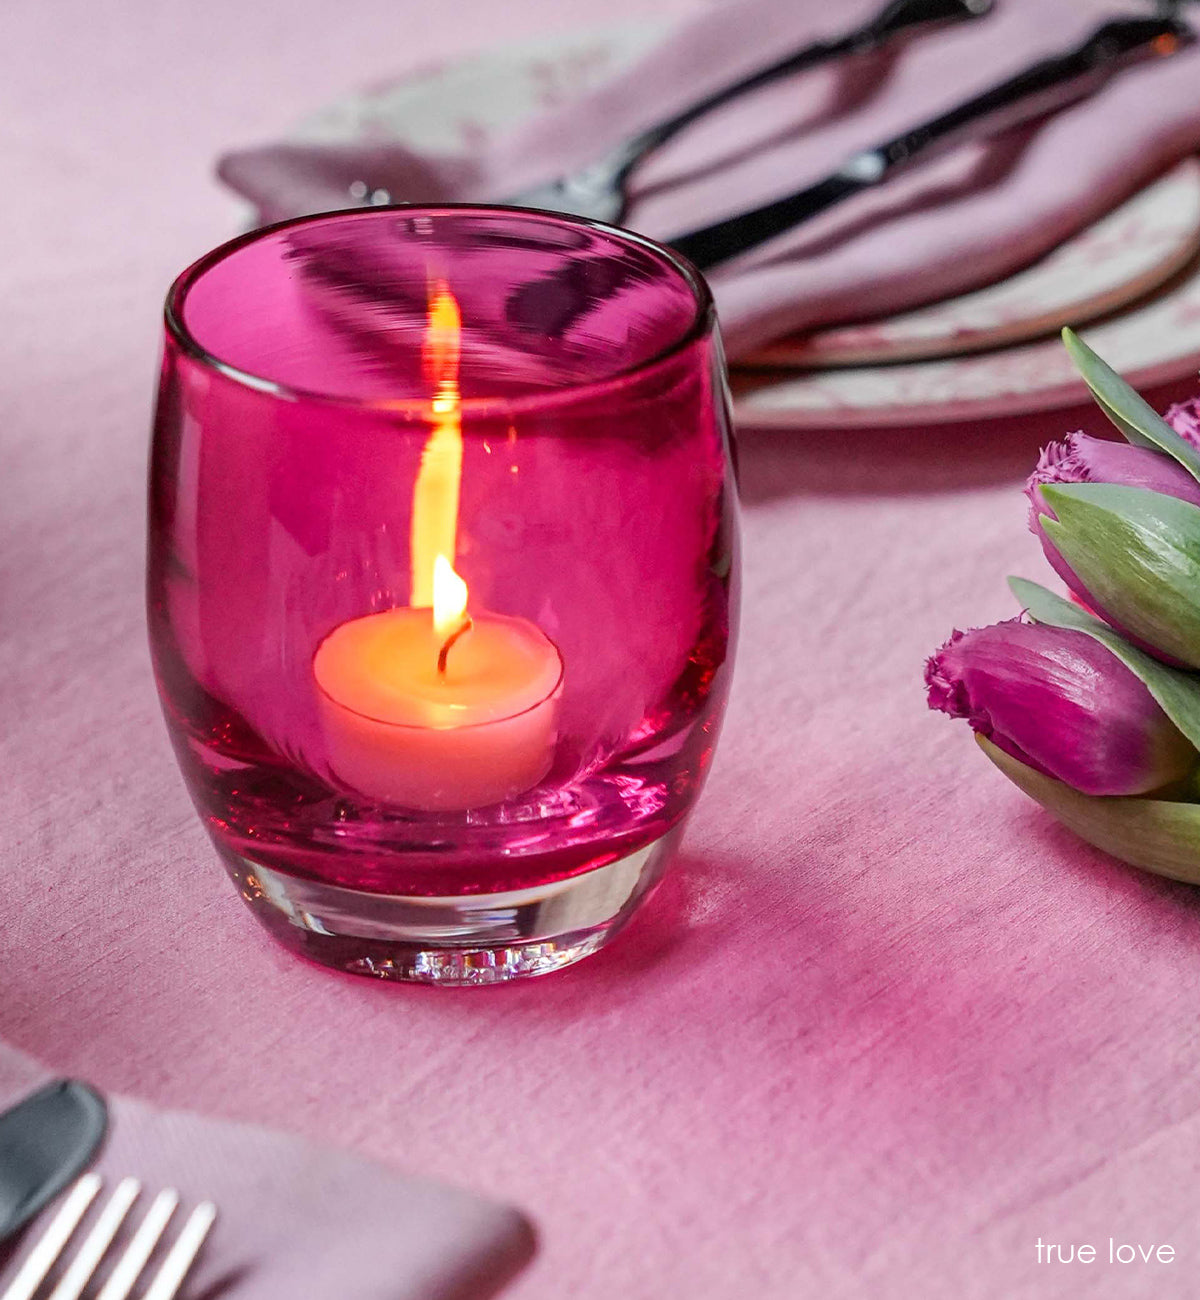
x=1046 y=86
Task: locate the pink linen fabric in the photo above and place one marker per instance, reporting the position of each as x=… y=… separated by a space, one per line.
x=884 y=1027
x=980 y=212
x=297 y=1220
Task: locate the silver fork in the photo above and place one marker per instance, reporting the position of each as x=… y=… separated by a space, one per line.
x=131 y=1266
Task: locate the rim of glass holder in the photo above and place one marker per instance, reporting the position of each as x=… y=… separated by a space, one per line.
x=702 y=317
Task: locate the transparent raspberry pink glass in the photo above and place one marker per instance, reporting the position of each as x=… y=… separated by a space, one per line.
x=597 y=503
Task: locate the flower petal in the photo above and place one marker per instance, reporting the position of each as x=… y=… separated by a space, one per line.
x=1184 y=418
x=1177 y=693
x=1061 y=702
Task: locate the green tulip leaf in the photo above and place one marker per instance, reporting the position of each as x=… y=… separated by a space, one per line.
x=1177 y=692
x=1158 y=835
x=1140 y=423
x=1137 y=553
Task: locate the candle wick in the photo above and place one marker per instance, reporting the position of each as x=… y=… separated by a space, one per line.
x=463 y=628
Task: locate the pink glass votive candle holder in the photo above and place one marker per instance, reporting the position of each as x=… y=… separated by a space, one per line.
x=443 y=574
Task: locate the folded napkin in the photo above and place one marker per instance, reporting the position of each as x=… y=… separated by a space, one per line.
x=973 y=216
x=300 y=1221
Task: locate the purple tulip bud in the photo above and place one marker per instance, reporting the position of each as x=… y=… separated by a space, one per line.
x=1058 y=701
x=1084 y=459
x=1184 y=418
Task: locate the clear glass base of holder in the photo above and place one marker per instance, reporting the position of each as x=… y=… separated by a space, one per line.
x=457 y=941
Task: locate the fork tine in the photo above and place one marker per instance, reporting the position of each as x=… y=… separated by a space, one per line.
x=170 y=1276
x=124 y=1277
x=41 y=1258
x=95 y=1245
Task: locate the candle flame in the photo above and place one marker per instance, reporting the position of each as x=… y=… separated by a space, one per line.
x=449 y=597
x=435 y=495
x=443 y=340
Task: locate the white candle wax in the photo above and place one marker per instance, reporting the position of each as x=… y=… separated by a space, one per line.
x=399 y=730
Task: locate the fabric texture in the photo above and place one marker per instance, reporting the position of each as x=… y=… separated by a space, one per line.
x=297 y=1220
x=883 y=1026
x=975 y=214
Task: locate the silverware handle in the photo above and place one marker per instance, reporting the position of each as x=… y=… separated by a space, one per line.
x=896 y=17
x=1042 y=88
x=1045 y=86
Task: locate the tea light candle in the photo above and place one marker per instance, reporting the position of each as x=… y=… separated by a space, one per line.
x=399 y=730
x=427 y=706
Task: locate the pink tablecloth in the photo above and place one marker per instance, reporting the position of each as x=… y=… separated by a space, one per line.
x=883 y=1029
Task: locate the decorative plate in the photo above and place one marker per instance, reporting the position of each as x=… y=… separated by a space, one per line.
x=1151 y=343
x=1123 y=257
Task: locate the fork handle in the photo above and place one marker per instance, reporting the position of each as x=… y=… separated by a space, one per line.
x=894 y=18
